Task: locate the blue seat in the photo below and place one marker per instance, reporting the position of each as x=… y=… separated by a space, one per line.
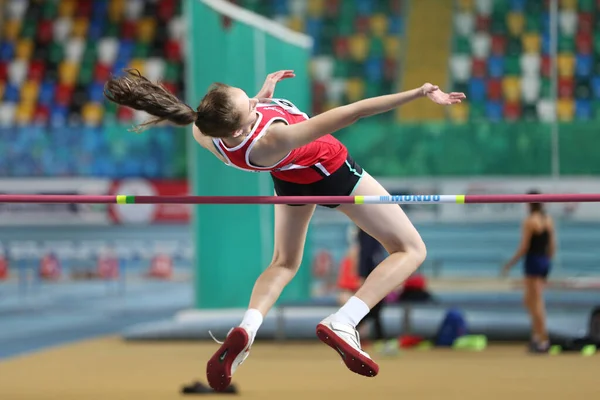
x=96 y=92
x=395 y=25
x=477 y=89
x=496 y=66
x=546 y=43
x=46 y=93
x=595 y=85
x=583 y=110
x=374 y=69
x=364 y=7
x=584 y=63
x=314 y=27
x=11 y=93
x=7 y=51
x=96 y=29
x=280 y=7
x=58 y=116
x=126 y=47
x=493 y=110
x=119 y=66
x=99 y=9
x=517 y=5
x=546 y=23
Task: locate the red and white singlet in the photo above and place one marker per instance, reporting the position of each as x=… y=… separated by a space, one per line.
x=307 y=164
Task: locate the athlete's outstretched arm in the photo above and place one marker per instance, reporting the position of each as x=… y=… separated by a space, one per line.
x=268 y=89
x=288 y=137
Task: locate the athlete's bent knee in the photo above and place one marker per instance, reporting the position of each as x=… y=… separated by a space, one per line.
x=291 y=264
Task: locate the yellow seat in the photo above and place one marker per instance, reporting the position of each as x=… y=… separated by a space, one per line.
x=330 y=105
x=515 y=22
x=138 y=64
x=92 y=113
x=359 y=47
x=379 y=25
x=392 y=47
x=315 y=8
x=511 y=88
x=566 y=64
x=67 y=72
x=116 y=8
x=355 y=89
x=29 y=91
x=80 y=27
x=466 y=5
x=532 y=43
x=24 y=49
x=66 y=8
x=568 y=4
x=12 y=27
x=459 y=113
x=145 y=29
x=296 y=23
x=24 y=112
x=565 y=109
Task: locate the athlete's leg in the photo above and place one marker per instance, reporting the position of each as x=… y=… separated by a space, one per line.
x=391 y=227
x=291 y=225
x=538 y=310
x=528 y=302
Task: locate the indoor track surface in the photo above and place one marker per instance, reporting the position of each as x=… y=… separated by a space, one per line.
x=109 y=368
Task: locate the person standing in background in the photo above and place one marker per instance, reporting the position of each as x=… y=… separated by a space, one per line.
x=538 y=245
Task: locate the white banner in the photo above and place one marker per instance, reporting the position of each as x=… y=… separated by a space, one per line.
x=498 y=212
x=54 y=214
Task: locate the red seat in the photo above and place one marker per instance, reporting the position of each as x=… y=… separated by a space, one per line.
x=101 y=72
x=332 y=8
x=494 y=89
x=512 y=111
x=84 y=8
x=482 y=23
x=170 y=86
x=361 y=24
x=44 y=31
x=63 y=94
x=124 y=114
x=319 y=90
x=3 y=70
x=546 y=66
x=479 y=68
x=36 y=70
x=341 y=47
x=498 y=45
x=585 y=22
x=173 y=50
x=390 y=69
x=566 y=87
x=584 y=42
x=128 y=29
x=41 y=114
x=166 y=9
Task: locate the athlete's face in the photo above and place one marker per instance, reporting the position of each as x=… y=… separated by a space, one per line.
x=245 y=106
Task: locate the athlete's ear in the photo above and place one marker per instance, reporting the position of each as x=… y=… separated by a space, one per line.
x=237 y=133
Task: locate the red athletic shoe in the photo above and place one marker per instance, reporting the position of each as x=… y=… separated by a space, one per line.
x=345 y=340
x=232 y=353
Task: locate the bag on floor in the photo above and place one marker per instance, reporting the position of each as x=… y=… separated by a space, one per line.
x=452 y=327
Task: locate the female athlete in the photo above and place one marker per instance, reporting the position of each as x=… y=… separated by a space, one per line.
x=538 y=246
x=262 y=133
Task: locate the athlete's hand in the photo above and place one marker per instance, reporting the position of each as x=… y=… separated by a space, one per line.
x=268 y=88
x=434 y=94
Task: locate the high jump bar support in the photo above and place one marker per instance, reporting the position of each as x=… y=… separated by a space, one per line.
x=392 y=199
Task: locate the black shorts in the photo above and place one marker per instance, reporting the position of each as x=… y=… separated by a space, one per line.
x=340 y=183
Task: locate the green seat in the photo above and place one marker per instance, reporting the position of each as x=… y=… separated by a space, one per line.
x=529 y=113
x=112 y=29
x=498 y=26
x=566 y=44
x=514 y=46
x=90 y=53
x=546 y=89
x=461 y=87
x=477 y=112
x=345 y=26
x=356 y=69
x=373 y=89
x=534 y=7
x=86 y=73
x=171 y=72
x=28 y=28
x=376 y=48
x=597 y=67
x=462 y=45
x=597 y=43
x=341 y=68
x=55 y=52
x=141 y=50
x=533 y=23
x=596 y=110
x=582 y=89
x=512 y=65
x=49 y=9
x=586 y=5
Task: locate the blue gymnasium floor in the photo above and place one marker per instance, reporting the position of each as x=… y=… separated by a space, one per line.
x=58 y=314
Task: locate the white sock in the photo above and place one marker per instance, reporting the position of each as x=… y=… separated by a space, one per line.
x=253 y=319
x=352 y=312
